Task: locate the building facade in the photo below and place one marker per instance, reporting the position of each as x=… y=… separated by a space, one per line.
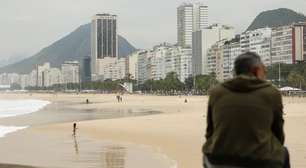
x=288 y=44
x=40 y=76
x=231 y=50
x=190 y=17
x=112 y=68
x=203 y=40
x=86 y=69
x=155 y=64
x=70 y=72
x=52 y=76
x=258 y=41
x=133 y=65
x=104 y=39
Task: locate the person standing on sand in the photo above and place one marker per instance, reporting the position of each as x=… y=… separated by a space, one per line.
x=245 y=120
x=118 y=98
x=74 y=129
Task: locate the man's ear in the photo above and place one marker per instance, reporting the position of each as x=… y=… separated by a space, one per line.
x=255 y=70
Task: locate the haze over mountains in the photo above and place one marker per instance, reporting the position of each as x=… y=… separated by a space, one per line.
x=76 y=45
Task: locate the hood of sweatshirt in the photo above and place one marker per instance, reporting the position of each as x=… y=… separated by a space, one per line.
x=246 y=83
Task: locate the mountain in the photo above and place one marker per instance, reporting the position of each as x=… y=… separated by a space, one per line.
x=74 y=46
x=278 y=17
x=12 y=59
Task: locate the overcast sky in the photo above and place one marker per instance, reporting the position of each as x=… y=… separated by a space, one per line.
x=26 y=26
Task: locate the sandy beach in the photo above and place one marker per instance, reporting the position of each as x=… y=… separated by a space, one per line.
x=142 y=130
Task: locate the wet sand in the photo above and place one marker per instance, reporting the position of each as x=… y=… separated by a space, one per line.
x=177 y=132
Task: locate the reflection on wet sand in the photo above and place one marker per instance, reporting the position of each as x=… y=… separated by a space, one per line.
x=76 y=145
x=113 y=157
x=14 y=166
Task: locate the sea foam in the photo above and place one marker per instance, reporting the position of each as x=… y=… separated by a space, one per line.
x=9 y=129
x=13 y=108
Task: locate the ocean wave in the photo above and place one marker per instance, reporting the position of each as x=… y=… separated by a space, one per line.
x=4 y=130
x=12 y=108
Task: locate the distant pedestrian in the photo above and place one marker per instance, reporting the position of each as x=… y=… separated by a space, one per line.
x=118 y=98
x=87 y=101
x=74 y=129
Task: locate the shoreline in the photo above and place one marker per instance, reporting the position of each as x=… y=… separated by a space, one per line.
x=80 y=107
x=177 y=132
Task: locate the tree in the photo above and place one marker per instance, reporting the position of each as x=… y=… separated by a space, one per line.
x=295 y=79
x=189 y=83
x=171 y=82
x=205 y=82
x=15 y=86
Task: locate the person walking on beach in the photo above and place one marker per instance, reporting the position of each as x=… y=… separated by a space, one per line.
x=245 y=120
x=74 y=129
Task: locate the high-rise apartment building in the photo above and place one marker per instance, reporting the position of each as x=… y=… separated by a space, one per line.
x=133 y=65
x=288 y=44
x=86 y=69
x=113 y=68
x=231 y=50
x=155 y=64
x=40 y=69
x=52 y=76
x=104 y=40
x=71 y=72
x=202 y=40
x=190 y=17
x=258 y=41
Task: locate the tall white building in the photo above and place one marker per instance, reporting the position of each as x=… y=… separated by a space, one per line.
x=143 y=66
x=190 y=17
x=258 y=41
x=155 y=64
x=52 y=76
x=33 y=78
x=133 y=65
x=40 y=76
x=215 y=59
x=71 y=72
x=184 y=59
x=25 y=80
x=204 y=39
x=104 y=39
x=113 y=68
x=288 y=44
x=231 y=50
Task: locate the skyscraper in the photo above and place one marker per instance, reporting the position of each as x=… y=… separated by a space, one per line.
x=86 y=69
x=104 y=40
x=190 y=17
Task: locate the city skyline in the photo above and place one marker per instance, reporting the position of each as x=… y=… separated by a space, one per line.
x=133 y=26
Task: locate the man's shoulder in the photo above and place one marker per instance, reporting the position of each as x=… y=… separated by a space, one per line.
x=272 y=90
x=217 y=90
